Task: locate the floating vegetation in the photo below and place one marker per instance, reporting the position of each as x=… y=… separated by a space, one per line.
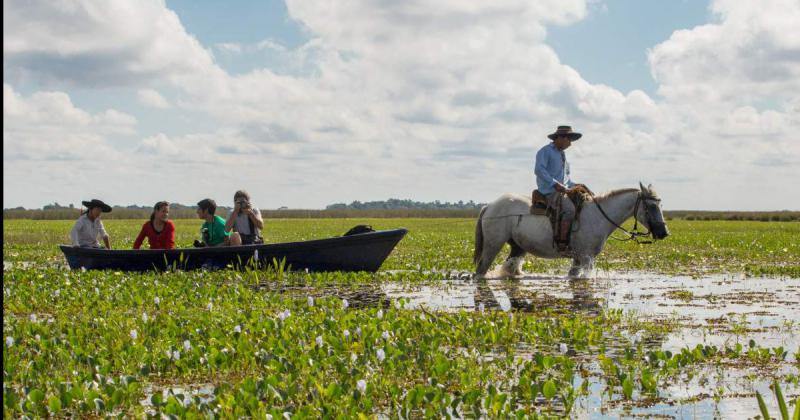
x=419 y=339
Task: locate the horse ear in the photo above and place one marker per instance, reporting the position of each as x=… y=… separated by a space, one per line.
x=642 y=186
x=650 y=187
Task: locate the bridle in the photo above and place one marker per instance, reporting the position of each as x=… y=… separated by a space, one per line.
x=635 y=234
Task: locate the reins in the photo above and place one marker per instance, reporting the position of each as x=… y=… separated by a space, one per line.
x=633 y=235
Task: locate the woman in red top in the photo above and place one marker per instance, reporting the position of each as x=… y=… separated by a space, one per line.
x=159 y=231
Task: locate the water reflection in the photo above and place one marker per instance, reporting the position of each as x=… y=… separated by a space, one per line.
x=513 y=294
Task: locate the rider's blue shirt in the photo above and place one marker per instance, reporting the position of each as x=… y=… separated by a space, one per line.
x=551 y=166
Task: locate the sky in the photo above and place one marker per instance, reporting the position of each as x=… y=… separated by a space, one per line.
x=306 y=103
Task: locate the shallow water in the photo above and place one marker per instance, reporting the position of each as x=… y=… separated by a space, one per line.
x=717 y=310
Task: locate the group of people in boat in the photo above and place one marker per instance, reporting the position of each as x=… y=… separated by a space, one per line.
x=242 y=227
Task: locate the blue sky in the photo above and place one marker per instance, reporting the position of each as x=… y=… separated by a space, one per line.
x=137 y=102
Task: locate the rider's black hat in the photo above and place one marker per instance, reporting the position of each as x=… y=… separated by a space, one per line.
x=565 y=130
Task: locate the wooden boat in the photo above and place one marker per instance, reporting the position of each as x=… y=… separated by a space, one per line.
x=361 y=252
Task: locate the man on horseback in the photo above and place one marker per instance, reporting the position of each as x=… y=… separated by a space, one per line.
x=553 y=181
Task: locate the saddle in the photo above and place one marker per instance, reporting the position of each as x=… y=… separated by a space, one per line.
x=540 y=207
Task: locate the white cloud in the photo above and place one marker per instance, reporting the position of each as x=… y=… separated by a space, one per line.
x=152 y=98
x=105 y=43
x=446 y=100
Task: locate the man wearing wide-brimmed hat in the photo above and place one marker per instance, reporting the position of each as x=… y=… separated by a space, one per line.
x=553 y=180
x=88 y=226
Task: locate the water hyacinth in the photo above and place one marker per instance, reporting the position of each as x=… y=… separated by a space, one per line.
x=481 y=307
x=33 y=318
x=37 y=337
x=209 y=306
x=361 y=385
x=9 y=341
x=345 y=304
x=144 y=317
x=283 y=315
x=156 y=300
x=380 y=313
x=562 y=348
x=319 y=341
x=176 y=355
x=187 y=345
x=358 y=331
x=134 y=334
x=346 y=333
x=385 y=335
x=237 y=329
x=381 y=355
x=311 y=301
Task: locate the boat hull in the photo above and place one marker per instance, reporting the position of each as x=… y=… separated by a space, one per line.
x=362 y=252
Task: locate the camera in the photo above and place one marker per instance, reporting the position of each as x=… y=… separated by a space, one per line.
x=243 y=204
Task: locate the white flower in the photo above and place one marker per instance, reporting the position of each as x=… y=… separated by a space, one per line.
x=157 y=301
x=57 y=293
x=422 y=317
x=481 y=307
x=202 y=360
x=311 y=301
x=637 y=337
x=176 y=355
x=187 y=345
x=385 y=335
x=380 y=313
x=144 y=316
x=33 y=317
x=353 y=357
x=269 y=416
x=9 y=341
x=361 y=385
x=209 y=306
x=319 y=340
x=237 y=329
x=345 y=304
x=358 y=331
x=283 y=315
x=397 y=304
x=381 y=355
x=38 y=337
x=134 y=334
x=562 y=348
x=346 y=333
x=96 y=290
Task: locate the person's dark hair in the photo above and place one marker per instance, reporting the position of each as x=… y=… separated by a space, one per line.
x=208 y=204
x=160 y=205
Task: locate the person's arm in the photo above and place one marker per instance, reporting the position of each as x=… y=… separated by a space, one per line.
x=255 y=216
x=232 y=218
x=170 y=234
x=139 y=239
x=540 y=169
x=104 y=234
x=74 y=234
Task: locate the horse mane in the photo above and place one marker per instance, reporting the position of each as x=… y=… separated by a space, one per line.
x=613 y=193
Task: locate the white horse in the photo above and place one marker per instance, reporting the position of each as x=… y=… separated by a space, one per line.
x=508 y=220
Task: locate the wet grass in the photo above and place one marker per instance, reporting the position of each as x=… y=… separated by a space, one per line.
x=233 y=344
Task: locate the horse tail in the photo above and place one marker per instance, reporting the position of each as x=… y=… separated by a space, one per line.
x=479 y=237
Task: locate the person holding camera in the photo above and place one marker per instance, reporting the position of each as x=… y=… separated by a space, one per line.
x=245 y=219
x=213 y=230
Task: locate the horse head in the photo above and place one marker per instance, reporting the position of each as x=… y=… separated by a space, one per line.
x=649 y=213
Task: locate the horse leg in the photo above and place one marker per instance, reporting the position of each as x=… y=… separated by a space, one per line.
x=513 y=264
x=490 y=250
x=581 y=267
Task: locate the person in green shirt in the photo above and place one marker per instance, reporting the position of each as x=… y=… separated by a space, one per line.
x=213 y=230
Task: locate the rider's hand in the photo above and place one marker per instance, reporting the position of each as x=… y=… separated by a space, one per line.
x=560 y=188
